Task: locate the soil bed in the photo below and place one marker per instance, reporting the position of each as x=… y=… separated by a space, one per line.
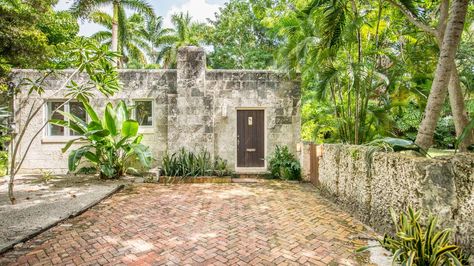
x=192 y=180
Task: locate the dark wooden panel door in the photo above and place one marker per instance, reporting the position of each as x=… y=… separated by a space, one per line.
x=250 y=138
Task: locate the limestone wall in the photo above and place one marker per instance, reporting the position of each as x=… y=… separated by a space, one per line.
x=369 y=187
x=45 y=152
x=271 y=91
x=194 y=108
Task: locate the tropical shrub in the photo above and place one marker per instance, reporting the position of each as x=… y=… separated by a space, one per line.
x=284 y=165
x=220 y=167
x=188 y=164
x=4 y=139
x=3 y=163
x=112 y=142
x=445 y=133
x=395 y=145
x=417 y=244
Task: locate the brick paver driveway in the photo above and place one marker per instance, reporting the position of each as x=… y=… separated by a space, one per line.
x=222 y=224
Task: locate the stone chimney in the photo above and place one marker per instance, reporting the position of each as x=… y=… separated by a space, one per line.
x=191 y=126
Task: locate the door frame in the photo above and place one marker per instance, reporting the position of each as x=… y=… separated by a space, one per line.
x=265 y=140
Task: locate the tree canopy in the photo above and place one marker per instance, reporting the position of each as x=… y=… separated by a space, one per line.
x=367 y=67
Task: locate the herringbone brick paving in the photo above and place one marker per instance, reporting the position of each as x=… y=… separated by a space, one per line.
x=270 y=223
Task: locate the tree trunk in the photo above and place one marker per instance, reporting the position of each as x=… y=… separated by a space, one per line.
x=114 y=47
x=458 y=109
x=456 y=97
x=437 y=96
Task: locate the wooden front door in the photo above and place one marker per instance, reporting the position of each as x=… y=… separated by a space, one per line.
x=250 y=138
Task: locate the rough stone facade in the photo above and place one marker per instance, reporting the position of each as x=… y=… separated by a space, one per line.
x=193 y=107
x=368 y=184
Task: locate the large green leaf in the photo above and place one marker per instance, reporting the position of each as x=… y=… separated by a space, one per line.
x=75 y=157
x=68 y=124
x=110 y=119
x=122 y=112
x=98 y=133
x=94 y=125
x=138 y=139
x=58 y=122
x=107 y=170
x=75 y=123
x=143 y=153
x=92 y=157
x=69 y=143
x=90 y=111
x=129 y=128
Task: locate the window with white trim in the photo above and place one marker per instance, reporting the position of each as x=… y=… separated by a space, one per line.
x=75 y=108
x=144 y=112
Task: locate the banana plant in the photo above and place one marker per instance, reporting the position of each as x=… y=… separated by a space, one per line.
x=112 y=142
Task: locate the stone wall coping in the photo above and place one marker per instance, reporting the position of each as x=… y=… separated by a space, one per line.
x=252 y=71
x=21 y=70
x=443 y=158
x=240 y=71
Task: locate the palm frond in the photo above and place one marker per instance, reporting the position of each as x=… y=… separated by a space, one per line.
x=140 y=6
x=101 y=18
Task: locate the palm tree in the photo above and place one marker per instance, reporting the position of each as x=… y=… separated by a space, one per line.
x=413 y=13
x=84 y=8
x=186 y=32
x=451 y=40
x=132 y=42
x=157 y=36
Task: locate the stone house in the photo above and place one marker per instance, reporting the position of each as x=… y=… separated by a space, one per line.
x=239 y=115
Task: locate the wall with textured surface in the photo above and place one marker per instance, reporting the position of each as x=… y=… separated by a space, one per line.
x=194 y=108
x=367 y=184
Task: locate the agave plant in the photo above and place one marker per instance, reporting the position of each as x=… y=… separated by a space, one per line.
x=416 y=244
x=113 y=142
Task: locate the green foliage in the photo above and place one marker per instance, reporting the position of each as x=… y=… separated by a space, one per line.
x=30 y=32
x=46 y=176
x=415 y=243
x=3 y=163
x=365 y=71
x=284 y=165
x=133 y=44
x=59 y=27
x=468 y=128
x=239 y=39
x=220 y=167
x=111 y=142
x=445 y=133
x=188 y=164
x=396 y=144
x=185 y=32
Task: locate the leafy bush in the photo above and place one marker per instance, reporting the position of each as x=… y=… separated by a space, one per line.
x=220 y=167
x=283 y=164
x=112 y=142
x=445 y=133
x=416 y=244
x=396 y=145
x=186 y=163
x=3 y=163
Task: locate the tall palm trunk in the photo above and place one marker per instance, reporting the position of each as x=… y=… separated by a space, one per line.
x=456 y=97
x=461 y=118
x=115 y=26
x=455 y=92
x=439 y=90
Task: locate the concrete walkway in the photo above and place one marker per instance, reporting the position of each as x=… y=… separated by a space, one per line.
x=265 y=223
x=43 y=204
